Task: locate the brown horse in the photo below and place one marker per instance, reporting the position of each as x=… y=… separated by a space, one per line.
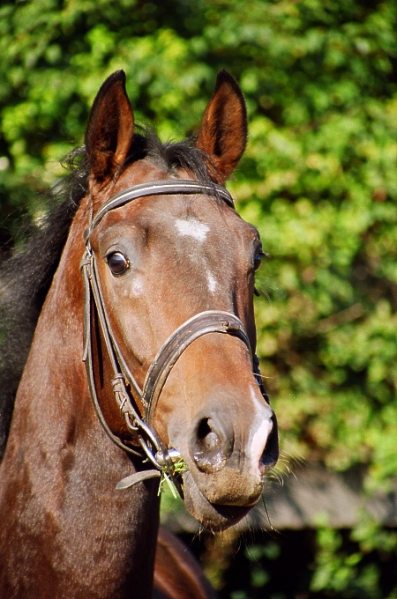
x=170 y=387
x=177 y=575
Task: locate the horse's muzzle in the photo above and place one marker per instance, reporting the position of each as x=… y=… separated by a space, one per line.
x=228 y=462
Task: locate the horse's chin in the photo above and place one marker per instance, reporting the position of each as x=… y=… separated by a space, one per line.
x=212 y=516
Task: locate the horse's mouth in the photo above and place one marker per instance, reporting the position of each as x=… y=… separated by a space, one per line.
x=230 y=514
x=213 y=516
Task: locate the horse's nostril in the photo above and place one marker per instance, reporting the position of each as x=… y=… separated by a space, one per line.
x=207 y=437
x=210 y=446
x=270 y=453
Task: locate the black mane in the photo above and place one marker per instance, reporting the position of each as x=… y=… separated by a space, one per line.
x=172 y=155
x=24 y=282
x=26 y=277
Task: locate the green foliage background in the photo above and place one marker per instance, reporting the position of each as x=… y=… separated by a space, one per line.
x=319 y=179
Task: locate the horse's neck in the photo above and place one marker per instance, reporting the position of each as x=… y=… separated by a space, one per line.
x=66 y=531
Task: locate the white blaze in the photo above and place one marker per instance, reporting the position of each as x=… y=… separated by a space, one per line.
x=212 y=282
x=198 y=231
x=137 y=286
x=192 y=228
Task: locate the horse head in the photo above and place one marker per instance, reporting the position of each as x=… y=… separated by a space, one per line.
x=174 y=269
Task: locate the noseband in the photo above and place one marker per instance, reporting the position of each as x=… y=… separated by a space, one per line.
x=126 y=389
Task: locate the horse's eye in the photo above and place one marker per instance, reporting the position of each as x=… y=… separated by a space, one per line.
x=258 y=259
x=118 y=263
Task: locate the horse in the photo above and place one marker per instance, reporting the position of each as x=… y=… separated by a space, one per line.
x=177 y=574
x=142 y=367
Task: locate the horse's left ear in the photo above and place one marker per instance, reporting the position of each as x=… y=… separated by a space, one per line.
x=223 y=131
x=110 y=129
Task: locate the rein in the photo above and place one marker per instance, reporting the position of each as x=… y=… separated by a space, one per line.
x=127 y=391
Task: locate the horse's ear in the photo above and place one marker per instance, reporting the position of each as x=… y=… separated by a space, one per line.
x=223 y=131
x=110 y=128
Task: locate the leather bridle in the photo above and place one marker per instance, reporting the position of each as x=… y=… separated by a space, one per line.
x=127 y=392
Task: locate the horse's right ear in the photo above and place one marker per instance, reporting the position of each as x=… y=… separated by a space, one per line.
x=110 y=129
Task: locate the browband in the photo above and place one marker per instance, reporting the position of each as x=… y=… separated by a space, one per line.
x=168 y=187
